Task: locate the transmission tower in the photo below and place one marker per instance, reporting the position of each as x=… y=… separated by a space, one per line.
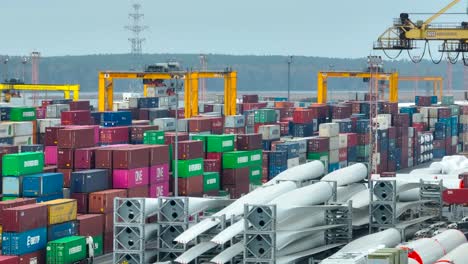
x=204 y=67
x=35 y=56
x=136 y=28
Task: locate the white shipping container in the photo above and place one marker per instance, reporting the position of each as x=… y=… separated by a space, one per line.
x=44 y=123
x=432 y=122
x=126 y=96
x=376 y=158
x=463 y=119
x=22 y=129
x=411 y=132
x=182 y=125
x=454 y=140
x=160 y=91
x=410 y=162
x=293 y=162
x=22 y=140
x=433 y=112
x=334 y=143
x=329 y=130
x=6 y=129
x=333 y=156
x=119 y=105
x=269 y=132
x=384 y=120
x=165 y=124
x=218 y=108
x=133 y=102
x=424 y=111
x=302 y=158
x=343 y=141
x=417 y=118
x=55 y=110
x=302 y=144
x=168 y=101
x=234 y=121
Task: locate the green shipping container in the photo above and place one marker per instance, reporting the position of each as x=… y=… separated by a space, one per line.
x=321 y=156
x=211 y=181
x=153 y=137
x=9 y=198
x=23 y=114
x=455 y=109
x=22 y=163
x=220 y=143
x=98 y=246
x=236 y=159
x=189 y=168
x=66 y=250
x=265 y=116
x=256 y=175
x=447 y=100
x=363 y=151
x=255 y=157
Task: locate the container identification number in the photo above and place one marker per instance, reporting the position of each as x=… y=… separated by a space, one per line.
x=33 y=240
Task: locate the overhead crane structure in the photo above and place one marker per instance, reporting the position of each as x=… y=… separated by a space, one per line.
x=67 y=89
x=437 y=81
x=405 y=33
x=190 y=78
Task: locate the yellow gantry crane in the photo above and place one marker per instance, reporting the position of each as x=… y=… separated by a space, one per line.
x=393 y=80
x=404 y=34
x=191 y=80
x=7 y=88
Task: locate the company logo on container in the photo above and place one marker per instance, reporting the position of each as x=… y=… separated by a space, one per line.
x=242 y=159
x=33 y=240
x=139 y=176
x=195 y=167
x=256 y=157
x=160 y=172
x=75 y=250
x=211 y=181
x=160 y=190
x=227 y=143
x=255 y=172
x=31 y=163
x=28 y=114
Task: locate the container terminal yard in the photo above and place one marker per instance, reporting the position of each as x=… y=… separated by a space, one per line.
x=165 y=175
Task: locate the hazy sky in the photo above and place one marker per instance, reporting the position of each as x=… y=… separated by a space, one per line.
x=333 y=28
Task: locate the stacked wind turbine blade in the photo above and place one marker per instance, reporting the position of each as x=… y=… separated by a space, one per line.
x=308 y=171
x=229 y=253
x=344 y=193
x=387 y=238
x=194 y=252
x=458 y=255
x=354 y=173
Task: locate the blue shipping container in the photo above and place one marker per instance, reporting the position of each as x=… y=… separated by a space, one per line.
x=303 y=130
x=97 y=116
x=434 y=99
x=5 y=113
x=148 y=102
x=352 y=153
x=362 y=126
x=88 y=181
x=51 y=197
x=58 y=231
x=291 y=148
x=12 y=186
x=345 y=125
x=25 y=242
x=32 y=148
x=122 y=118
x=275 y=170
x=278 y=159
x=333 y=167
x=42 y=184
x=6 y=141
x=266 y=144
x=438 y=153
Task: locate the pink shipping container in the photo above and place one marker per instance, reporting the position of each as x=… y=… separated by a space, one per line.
x=124 y=179
x=41 y=112
x=159 y=189
x=159 y=173
x=50 y=153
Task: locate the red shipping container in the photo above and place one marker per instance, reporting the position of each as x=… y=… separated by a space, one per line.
x=136 y=132
x=79 y=105
x=143 y=114
x=439 y=144
x=249 y=141
x=231 y=130
x=113 y=135
x=387 y=174
x=76 y=138
x=94 y=127
x=159 y=154
x=8 y=149
x=103 y=158
x=212 y=165
x=284 y=104
x=82 y=200
x=253 y=106
x=363 y=139
x=236 y=191
x=235 y=176
x=352 y=139
x=343 y=154
x=419 y=127
x=41 y=112
x=199 y=124
x=138 y=192
x=455 y=196
x=192 y=186
x=341 y=111
x=108 y=242
x=401 y=120
x=392 y=132
x=250 y=98
x=38 y=257
x=65 y=158
x=390 y=108
x=51 y=136
x=189 y=149
x=45 y=103
x=265 y=158
x=318 y=144
x=108 y=222
x=463 y=109
x=130 y=158
x=208 y=108
x=85 y=158
x=9 y=259
x=90 y=224
x=215 y=156
x=444 y=112
x=180 y=113
x=24 y=218
x=14 y=203
x=78 y=117
x=66 y=177
x=103 y=201
x=303 y=116
x=169 y=137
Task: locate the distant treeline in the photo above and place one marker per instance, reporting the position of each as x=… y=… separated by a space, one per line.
x=254 y=72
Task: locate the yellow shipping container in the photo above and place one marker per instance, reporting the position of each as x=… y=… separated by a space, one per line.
x=61 y=210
